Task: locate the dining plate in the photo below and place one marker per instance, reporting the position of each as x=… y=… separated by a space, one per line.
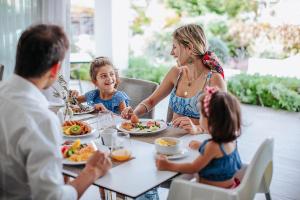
x=182 y=153
x=88 y=109
x=80 y=136
x=143 y=131
x=65 y=161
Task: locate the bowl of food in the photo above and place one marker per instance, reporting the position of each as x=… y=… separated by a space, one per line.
x=167 y=145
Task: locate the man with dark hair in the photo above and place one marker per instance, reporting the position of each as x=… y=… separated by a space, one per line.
x=31 y=162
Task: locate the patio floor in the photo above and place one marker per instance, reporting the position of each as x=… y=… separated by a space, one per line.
x=260 y=123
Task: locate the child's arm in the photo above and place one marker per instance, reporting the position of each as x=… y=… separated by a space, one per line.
x=199 y=163
x=122 y=106
x=100 y=107
x=80 y=99
x=195 y=144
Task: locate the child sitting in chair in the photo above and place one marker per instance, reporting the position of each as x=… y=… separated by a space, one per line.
x=219 y=159
x=106 y=97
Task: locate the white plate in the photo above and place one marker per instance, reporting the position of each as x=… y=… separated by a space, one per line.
x=79 y=136
x=68 y=162
x=89 y=110
x=183 y=153
x=136 y=131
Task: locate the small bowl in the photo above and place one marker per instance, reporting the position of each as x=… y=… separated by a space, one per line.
x=167 y=145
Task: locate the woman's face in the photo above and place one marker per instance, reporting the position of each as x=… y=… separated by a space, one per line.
x=106 y=78
x=179 y=52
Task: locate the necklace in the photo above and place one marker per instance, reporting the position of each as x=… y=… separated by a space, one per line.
x=190 y=84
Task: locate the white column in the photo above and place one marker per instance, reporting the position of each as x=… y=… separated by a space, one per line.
x=111 y=30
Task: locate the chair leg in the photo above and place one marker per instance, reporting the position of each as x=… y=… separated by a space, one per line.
x=268 y=196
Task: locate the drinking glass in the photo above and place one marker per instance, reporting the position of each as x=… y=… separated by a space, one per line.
x=121 y=149
x=104 y=120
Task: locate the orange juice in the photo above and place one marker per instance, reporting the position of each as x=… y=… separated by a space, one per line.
x=121 y=154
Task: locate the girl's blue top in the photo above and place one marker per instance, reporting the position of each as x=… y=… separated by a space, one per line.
x=93 y=97
x=223 y=168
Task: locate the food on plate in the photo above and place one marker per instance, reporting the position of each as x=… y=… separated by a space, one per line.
x=82 y=109
x=121 y=154
x=134 y=119
x=127 y=125
x=148 y=126
x=165 y=142
x=167 y=145
x=76 y=127
x=77 y=152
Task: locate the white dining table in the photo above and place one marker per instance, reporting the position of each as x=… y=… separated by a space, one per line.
x=139 y=175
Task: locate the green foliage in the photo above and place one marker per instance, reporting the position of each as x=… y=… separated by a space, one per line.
x=81 y=72
x=159 y=46
x=140 y=21
x=199 y=7
x=269 y=91
x=141 y=68
x=218 y=28
x=220 y=48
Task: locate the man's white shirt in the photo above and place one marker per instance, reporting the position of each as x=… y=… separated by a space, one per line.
x=30 y=159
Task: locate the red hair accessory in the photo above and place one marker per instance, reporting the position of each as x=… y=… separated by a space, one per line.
x=210 y=60
x=209 y=92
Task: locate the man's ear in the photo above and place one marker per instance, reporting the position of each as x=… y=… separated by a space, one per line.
x=54 y=70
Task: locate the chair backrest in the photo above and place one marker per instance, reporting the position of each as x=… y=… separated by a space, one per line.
x=256 y=179
x=138 y=90
x=259 y=172
x=1 y=71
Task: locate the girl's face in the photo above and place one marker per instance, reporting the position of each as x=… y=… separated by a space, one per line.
x=106 y=78
x=180 y=53
x=203 y=123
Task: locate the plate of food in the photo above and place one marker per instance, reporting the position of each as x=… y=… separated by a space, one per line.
x=76 y=129
x=142 y=126
x=82 y=109
x=77 y=153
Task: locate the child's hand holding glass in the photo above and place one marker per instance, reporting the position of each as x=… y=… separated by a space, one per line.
x=162 y=162
x=194 y=144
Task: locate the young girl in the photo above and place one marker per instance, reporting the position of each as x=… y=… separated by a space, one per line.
x=106 y=97
x=219 y=159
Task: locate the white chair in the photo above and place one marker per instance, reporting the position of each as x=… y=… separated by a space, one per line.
x=138 y=90
x=255 y=178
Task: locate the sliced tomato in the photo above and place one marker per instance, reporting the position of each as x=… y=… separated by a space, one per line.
x=64 y=149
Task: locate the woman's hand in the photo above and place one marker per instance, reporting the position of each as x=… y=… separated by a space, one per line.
x=99 y=163
x=100 y=107
x=162 y=162
x=127 y=113
x=186 y=124
x=194 y=144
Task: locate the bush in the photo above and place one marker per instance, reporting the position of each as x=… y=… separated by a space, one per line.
x=220 y=48
x=140 y=67
x=269 y=91
x=81 y=72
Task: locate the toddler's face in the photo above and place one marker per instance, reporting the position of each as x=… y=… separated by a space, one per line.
x=106 y=78
x=203 y=123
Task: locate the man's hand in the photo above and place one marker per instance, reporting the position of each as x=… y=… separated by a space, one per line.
x=99 y=163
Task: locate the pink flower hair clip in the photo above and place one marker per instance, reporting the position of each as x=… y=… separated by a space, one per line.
x=209 y=92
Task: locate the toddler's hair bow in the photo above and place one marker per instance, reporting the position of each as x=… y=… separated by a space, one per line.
x=209 y=92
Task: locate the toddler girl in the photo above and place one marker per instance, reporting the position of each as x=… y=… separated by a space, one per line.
x=219 y=159
x=106 y=97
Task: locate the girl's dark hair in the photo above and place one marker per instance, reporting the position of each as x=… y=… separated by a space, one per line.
x=39 y=48
x=224 y=117
x=100 y=62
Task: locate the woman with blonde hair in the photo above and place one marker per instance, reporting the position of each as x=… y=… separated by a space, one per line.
x=196 y=68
